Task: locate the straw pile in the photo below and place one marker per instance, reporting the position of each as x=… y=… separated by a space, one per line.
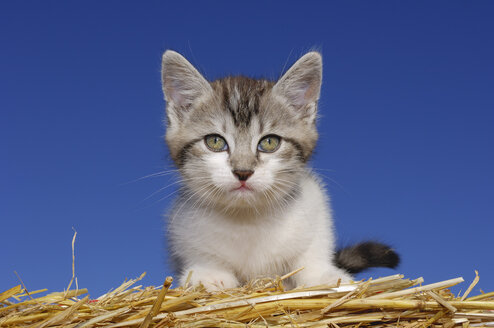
x=385 y=302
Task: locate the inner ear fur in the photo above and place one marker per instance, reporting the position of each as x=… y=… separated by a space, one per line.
x=182 y=82
x=301 y=84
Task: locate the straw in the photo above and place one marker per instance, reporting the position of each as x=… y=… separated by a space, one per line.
x=392 y=301
x=157 y=304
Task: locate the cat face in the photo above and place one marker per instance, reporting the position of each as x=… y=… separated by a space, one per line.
x=241 y=144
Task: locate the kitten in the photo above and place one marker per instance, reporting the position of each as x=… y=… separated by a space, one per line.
x=249 y=205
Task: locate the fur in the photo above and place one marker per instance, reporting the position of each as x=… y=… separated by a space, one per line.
x=360 y=257
x=228 y=230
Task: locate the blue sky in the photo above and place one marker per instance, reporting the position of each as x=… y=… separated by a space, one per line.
x=406 y=147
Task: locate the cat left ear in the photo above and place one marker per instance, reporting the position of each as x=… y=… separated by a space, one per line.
x=301 y=84
x=182 y=83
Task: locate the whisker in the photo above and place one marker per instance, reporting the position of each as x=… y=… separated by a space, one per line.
x=180 y=180
x=185 y=202
x=163 y=198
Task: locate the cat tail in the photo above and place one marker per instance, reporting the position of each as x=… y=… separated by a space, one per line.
x=362 y=256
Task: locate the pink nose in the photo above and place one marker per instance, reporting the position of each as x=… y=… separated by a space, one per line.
x=243 y=175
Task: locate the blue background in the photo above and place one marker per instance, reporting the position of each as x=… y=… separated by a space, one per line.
x=406 y=147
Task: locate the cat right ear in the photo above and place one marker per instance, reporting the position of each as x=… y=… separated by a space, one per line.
x=182 y=83
x=301 y=84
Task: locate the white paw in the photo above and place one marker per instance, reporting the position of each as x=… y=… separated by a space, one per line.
x=327 y=276
x=331 y=278
x=211 y=278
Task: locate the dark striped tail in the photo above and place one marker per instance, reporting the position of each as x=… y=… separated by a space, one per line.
x=366 y=255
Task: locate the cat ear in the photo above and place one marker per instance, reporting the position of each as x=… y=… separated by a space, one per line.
x=182 y=83
x=301 y=84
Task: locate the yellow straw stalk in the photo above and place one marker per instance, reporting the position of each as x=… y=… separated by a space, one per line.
x=385 y=302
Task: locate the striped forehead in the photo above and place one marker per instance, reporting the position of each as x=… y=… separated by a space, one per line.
x=242 y=134
x=240 y=98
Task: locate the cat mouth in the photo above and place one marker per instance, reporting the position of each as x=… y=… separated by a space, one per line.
x=243 y=188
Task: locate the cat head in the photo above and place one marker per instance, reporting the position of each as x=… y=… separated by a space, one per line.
x=241 y=143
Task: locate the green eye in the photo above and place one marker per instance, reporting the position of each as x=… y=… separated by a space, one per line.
x=269 y=143
x=216 y=142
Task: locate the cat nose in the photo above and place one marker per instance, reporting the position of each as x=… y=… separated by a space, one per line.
x=243 y=175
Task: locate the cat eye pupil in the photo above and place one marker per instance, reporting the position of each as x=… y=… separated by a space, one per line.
x=269 y=144
x=215 y=143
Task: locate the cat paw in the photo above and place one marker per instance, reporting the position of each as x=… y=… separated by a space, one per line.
x=317 y=277
x=211 y=279
x=334 y=279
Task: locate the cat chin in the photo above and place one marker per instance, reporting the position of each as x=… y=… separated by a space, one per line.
x=247 y=202
x=245 y=198
x=249 y=198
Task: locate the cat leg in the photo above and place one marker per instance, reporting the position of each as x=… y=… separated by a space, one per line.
x=318 y=269
x=212 y=277
x=315 y=274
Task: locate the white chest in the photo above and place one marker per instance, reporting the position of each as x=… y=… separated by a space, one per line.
x=262 y=246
